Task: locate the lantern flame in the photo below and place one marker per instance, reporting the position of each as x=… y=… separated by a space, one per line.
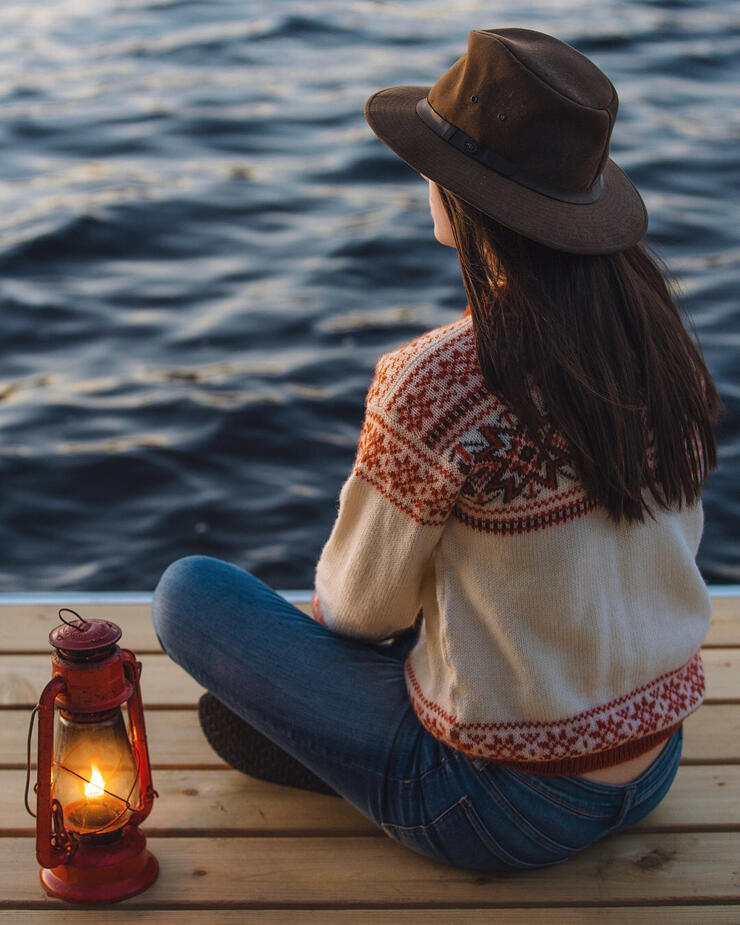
x=94 y=789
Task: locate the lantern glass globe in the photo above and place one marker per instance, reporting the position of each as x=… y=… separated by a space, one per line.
x=94 y=773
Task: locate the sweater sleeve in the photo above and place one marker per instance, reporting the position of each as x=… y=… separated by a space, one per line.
x=392 y=510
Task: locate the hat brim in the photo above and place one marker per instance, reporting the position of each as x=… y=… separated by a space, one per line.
x=615 y=221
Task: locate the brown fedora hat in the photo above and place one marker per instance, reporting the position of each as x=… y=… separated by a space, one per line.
x=519 y=127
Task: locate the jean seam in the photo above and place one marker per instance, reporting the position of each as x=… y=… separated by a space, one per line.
x=544 y=840
x=554 y=798
x=657 y=784
x=487 y=839
x=420 y=777
x=423 y=825
x=627 y=803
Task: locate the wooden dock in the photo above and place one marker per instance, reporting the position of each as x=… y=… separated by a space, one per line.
x=234 y=850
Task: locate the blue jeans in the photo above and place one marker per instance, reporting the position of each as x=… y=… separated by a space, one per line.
x=340 y=707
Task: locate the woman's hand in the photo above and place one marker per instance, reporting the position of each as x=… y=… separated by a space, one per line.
x=316 y=609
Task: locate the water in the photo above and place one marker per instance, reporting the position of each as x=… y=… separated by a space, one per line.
x=204 y=250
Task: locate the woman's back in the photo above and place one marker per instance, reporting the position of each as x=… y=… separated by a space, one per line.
x=553 y=639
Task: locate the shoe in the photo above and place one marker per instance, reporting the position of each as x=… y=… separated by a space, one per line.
x=249 y=751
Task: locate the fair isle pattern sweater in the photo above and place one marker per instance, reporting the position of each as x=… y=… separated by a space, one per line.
x=550 y=639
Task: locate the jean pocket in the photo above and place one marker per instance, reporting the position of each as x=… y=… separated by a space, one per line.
x=460 y=838
x=549 y=795
x=431 y=839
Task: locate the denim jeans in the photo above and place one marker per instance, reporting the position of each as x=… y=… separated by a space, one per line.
x=340 y=707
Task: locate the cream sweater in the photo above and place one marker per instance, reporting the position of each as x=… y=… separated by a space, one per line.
x=550 y=640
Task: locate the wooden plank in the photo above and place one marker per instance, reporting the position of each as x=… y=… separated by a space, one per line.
x=26 y=627
x=216 y=801
x=701 y=797
x=205 y=802
x=569 y=915
x=166 y=684
x=298 y=872
x=725 y=626
x=174 y=736
x=722 y=670
x=711 y=736
x=163 y=682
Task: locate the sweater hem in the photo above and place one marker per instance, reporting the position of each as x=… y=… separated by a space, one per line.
x=601 y=737
x=595 y=761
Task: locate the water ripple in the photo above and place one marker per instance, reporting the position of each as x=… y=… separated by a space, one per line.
x=204 y=250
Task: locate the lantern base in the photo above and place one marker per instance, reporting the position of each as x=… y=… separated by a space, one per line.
x=104 y=873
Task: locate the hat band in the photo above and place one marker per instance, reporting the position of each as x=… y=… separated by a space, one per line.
x=489 y=158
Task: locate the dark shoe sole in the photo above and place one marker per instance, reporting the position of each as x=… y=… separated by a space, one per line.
x=249 y=751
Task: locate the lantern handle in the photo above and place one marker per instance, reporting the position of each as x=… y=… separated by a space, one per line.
x=81 y=619
x=28 y=758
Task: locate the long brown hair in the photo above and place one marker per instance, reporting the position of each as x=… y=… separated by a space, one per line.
x=601 y=340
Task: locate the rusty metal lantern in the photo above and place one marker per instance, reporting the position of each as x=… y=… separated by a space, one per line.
x=94 y=783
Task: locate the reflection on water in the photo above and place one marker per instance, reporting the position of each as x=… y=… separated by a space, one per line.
x=205 y=249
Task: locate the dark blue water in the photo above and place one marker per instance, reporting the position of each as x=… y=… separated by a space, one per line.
x=204 y=249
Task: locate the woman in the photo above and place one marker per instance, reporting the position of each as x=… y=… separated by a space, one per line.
x=522 y=517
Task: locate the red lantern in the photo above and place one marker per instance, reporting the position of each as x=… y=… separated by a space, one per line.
x=94 y=785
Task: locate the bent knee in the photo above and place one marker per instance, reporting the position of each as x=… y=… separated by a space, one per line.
x=175 y=596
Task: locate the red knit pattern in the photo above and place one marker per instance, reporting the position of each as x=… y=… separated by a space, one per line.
x=648 y=710
x=498 y=479
x=417 y=482
x=469 y=457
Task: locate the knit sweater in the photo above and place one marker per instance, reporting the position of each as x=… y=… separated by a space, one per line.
x=550 y=639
